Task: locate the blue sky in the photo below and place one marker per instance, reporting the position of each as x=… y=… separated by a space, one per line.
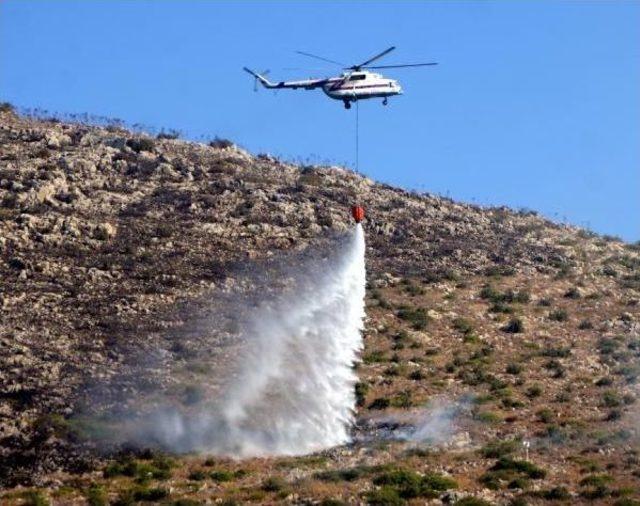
x=534 y=104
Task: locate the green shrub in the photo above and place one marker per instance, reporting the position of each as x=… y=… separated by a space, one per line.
x=534 y=391
x=546 y=415
x=515 y=326
x=499 y=448
x=332 y=502
x=417 y=317
x=374 y=357
x=488 y=417
x=520 y=466
x=409 y=484
x=402 y=400
x=34 y=498
x=585 y=325
x=150 y=494
x=556 y=352
x=385 y=496
x=611 y=399
x=555 y=494
x=221 y=475
x=362 y=389
x=337 y=475
x=273 y=484
x=417 y=375
x=380 y=403
x=197 y=475
x=472 y=501
x=141 y=144
x=96 y=496
x=607 y=346
x=463 y=325
x=559 y=315
x=572 y=293
x=513 y=368
x=219 y=143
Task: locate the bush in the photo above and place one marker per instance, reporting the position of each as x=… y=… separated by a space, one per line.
x=559 y=315
x=168 y=134
x=333 y=502
x=605 y=381
x=219 y=143
x=273 y=484
x=337 y=475
x=463 y=325
x=521 y=466
x=498 y=448
x=158 y=469
x=534 y=391
x=380 y=403
x=197 y=475
x=221 y=475
x=556 y=352
x=555 y=494
x=96 y=496
x=417 y=317
x=585 y=325
x=573 y=293
x=515 y=326
x=374 y=357
x=6 y=107
x=34 y=498
x=472 y=501
x=385 y=496
x=513 y=368
x=488 y=417
x=141 y=144
x=545 y=415
x=611 y=399
x=417 y=375
x=409 y=484
x=402 y=400
x=361 y=389
x=150 y=494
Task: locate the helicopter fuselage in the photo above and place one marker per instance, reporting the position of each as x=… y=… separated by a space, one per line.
x=361 y=85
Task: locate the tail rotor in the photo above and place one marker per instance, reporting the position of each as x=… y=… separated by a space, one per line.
x=255 y=80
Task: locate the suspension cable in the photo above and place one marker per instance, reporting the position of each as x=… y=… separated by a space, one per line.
x=357 y=134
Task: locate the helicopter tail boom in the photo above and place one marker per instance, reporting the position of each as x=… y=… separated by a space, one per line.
x=263 y=80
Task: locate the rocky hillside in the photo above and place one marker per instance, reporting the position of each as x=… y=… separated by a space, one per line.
x=106 y=236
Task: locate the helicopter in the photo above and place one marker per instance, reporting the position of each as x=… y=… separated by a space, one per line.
x=356 y=83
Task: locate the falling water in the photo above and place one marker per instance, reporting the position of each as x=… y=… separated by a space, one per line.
x=294 y=390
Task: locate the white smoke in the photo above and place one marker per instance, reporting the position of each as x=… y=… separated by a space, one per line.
x=437 y=424
x=294 y=391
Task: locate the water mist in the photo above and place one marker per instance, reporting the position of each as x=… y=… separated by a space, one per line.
x=293 y=392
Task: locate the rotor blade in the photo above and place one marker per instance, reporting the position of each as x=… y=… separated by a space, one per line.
x=386 y=51
x=399 y=66
x=319 y=58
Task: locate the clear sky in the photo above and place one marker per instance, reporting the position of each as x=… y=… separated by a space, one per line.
x=534 y=104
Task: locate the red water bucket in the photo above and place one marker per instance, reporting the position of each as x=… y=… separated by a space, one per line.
x=358 y=213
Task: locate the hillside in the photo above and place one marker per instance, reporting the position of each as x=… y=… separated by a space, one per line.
x=112 y=243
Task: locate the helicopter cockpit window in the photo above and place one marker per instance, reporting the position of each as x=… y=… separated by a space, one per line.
x=358 y=77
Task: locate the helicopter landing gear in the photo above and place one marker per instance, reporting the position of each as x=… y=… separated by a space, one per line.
x=385 y=101
x=347 y=104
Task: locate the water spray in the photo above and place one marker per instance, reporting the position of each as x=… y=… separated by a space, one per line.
x=293 y=391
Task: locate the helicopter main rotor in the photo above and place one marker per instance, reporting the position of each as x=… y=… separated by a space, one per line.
x=365 y=64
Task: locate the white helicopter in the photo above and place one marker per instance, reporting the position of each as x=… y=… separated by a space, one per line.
x=356 y=83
